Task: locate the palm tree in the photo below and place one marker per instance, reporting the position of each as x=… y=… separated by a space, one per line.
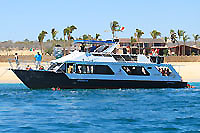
x=196 y=38
x=185 y=38
x=155 y=34
x=65 y=32
x=173 y=36
x=68 y=31
x=180 y=34
x=133 y=40
x=53 y=33
x=114 y=25
x=171 y=31
x=97 y=36
x=41 y=38
x=138 y=34
x=85 y=37
x=165 y=39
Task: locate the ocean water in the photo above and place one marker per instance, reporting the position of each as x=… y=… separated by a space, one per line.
x=122 y=110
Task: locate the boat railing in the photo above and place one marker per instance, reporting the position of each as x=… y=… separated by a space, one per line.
x=24 y=64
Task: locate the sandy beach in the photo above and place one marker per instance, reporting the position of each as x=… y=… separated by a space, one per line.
x=188 y=70
x=7 y=76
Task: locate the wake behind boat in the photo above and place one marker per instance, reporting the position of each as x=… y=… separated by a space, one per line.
x=101 y=67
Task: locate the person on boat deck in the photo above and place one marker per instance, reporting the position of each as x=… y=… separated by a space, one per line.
x=17 y=60
x=38 y=59
x=28 y=67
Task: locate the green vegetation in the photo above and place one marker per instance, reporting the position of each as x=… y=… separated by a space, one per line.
x=97 y=36
x=196 y=38
x=138 y=34
x=165 y=39
x=89 y=37
x=185 y=38
x=133 y=40
x=180 y=34
x=68 y=31
x=155 y=34
x=165 y=52
x=114 y=25
x=41 y=38
x=173 y=36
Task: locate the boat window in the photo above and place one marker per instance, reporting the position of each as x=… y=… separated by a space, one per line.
x=118 y=58
x=84 y=69
x=149 y=67
x=96 y=54
x=164 y=70
x=62 y=68
x=107 y=55
x=93 y=69
x=70 y=67
x=133 y=58
x=136 y=70
x=101 y=48
x=124 y=51
x=127 y=57
x=105 y=48
x=54 y=66
x=157 y=59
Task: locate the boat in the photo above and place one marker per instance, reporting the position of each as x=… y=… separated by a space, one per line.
x=101 y=67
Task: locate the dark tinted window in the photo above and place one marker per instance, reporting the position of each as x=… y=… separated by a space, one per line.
x=93 y=69
x=165 y=71
x=62 y=69
x=118 y=58
x=97 y=54
x=157 y=59
x=103 y=69
x=133 y=58
x=54 y=65
x=124 y=51
x=126 y=57
x=107 y=55
x=101 y=48
x=135 y=70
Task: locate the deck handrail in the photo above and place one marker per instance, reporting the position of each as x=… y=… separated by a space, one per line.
x=22 y=64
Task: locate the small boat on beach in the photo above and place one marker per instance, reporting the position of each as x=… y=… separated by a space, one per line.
x=101 y=67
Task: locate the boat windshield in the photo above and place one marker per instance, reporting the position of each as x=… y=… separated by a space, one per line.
x=101 y=48
x=54 y=66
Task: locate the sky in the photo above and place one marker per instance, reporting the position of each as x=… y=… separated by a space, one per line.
x=21 y=19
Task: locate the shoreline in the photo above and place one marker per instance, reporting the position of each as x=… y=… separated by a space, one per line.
x=187 y=70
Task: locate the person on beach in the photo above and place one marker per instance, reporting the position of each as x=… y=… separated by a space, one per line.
x=38 y=59
x=16 y=60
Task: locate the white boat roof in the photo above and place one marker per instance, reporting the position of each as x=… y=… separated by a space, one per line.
x=99 y=57
x=84 y=56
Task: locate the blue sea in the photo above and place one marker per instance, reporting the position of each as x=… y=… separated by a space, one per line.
x=99 y=111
